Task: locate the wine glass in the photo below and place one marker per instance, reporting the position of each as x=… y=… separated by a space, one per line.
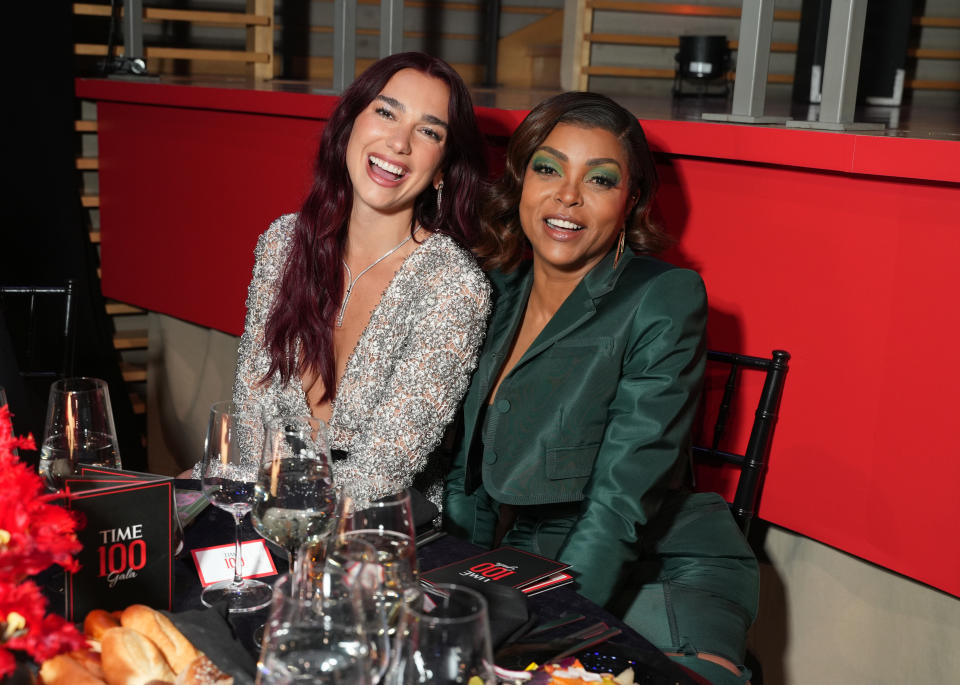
x=312 y=639
x=386 y=523
x=226 y=481
x=381 y=583
x=79 y=430
x=446 y=639
x=294 y=499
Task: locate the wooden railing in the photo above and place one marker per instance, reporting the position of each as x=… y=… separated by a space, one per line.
x=258 y=21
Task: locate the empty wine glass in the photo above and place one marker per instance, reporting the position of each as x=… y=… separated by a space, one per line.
x=294 y=499
x=446 y=640
x=79 y=430
x=227 y=483
x=313 y=639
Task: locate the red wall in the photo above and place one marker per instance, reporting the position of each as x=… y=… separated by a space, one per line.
x=832 y=246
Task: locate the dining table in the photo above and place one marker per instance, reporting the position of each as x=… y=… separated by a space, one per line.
x=213 y=526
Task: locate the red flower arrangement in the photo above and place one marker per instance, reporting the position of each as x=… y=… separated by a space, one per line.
x=34 y=534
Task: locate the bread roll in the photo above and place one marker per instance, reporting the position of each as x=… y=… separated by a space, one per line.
x=90 y=660
x=97 y=623
x=63 y=669
x=175 y=647
x=129 y=658
x=202 y=671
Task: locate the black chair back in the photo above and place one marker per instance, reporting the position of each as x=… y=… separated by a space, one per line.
x=41 y=323
x=753 y=462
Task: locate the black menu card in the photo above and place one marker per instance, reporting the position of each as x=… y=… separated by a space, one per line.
x=524 y=571
x=128 y=538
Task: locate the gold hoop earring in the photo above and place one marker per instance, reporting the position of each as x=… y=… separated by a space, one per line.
x=621 y=243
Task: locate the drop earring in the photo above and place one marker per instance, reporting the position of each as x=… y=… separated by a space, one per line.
x=439 y=195
x=620 y=247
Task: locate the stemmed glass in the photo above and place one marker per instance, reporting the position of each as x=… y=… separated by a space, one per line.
x=380 y=582
x=446 y=639
x=227 y=481
x=385 y=523
x=313 y=639
x=294 y=499
x=79 y=430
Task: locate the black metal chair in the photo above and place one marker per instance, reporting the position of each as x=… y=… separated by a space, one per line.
x=41 y=322
x=752 y=463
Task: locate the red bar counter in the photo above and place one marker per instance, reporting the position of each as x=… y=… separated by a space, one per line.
x=841 y=248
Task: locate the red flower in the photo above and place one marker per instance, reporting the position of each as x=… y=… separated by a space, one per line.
x=33 y=535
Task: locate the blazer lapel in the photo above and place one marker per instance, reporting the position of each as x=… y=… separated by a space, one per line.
x=510 y=307
x=579 y=307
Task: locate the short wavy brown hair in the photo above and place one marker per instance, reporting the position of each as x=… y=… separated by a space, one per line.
x=502 y=244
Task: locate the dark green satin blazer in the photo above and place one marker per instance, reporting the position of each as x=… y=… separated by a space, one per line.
x=598 y=410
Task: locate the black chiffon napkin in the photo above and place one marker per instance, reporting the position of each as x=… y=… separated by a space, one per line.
x=210 y=632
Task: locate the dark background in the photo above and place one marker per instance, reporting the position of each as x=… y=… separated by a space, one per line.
x=44 y=234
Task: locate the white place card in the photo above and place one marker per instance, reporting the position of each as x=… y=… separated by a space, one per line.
x=216 y=563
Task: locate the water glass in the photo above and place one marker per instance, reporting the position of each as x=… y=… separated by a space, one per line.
x=78 y=431
x=294 y=499
x=312 y=640
x=446 y=640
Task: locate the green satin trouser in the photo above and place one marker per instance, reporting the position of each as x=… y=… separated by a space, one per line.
x=694 y=588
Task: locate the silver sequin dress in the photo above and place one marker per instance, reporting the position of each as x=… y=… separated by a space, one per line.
x=406 y=376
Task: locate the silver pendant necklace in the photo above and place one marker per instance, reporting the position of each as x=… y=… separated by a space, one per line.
x=351 y=281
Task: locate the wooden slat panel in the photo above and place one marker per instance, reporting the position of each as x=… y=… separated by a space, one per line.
x=406 y=34
x=90 y=200
x=681 y=9
x=203 y=17
x=638 y=72
x=130 y=340
x=938 y=22
x=157 y=14
x=923 y=84
x=468 y=7
x=635 y=72
x=155 y=52
x=88 y=163
x=212 y=55
x=931 y=53
x=667 y=41
x=93 y=50
x=260 y=40
x=133 y=373
x=115 y=308
x=85 y=126
x=89 y=10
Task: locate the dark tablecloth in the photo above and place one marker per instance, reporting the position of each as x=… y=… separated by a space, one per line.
x=215 y=527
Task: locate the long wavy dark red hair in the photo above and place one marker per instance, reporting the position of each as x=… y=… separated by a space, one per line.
x=311 y=287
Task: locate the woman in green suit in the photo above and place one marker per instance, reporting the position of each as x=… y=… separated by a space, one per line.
x=577 y=420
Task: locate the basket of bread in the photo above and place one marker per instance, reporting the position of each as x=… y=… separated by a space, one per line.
x=136 y=646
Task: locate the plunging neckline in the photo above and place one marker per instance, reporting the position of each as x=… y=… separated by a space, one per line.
x=351 y=358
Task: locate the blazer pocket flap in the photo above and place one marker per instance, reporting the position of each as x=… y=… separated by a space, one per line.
x=571 y=462
x=567 y=347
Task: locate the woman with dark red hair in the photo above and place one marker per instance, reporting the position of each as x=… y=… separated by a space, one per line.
x=365 y=309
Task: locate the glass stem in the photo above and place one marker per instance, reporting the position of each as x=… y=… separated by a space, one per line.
x=237 y=555
x=292 y=559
